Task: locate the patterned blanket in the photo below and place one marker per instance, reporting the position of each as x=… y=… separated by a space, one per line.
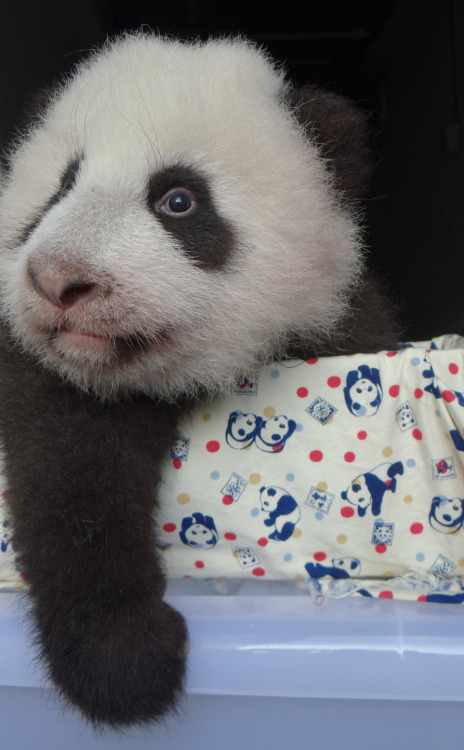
x=345 y=474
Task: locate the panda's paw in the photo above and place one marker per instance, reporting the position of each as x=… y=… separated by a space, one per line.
x=123 y=669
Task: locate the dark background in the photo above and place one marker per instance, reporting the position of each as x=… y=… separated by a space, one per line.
x=401 y=60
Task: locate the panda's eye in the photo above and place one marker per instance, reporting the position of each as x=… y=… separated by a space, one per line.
x=177 y=203
x=68 y=178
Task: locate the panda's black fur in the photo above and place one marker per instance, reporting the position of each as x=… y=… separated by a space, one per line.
x=176 y=216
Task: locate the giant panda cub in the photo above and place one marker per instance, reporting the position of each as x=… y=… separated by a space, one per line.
x=174 y=216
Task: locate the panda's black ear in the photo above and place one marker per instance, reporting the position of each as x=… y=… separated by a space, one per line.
x=341 y=133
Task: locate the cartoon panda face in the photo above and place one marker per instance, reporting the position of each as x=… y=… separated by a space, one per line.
x=383 y=533
x=269 y=498
x=405 y=419
x=274 y=430
x=351 y=564
x=199 y=536
x=364 y=396
x=180 y=448
x=447 y=514
x=243 y=427
x=246 y=557
x=358 y=494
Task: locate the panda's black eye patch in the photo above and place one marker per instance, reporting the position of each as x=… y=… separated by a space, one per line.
x=67 y=181
x=181 y=198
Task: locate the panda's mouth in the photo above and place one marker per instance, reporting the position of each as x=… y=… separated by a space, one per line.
x=67 y=340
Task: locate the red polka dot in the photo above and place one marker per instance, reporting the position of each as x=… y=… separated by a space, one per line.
x=392 y=354
x=199 y=564
x=227 y=500
x=6 y=496
x=381 y=548
x=169 y=527
x=258 y=572
x=418 y=393
x=263 y=541
x=453 y=368
x=312 y=361
x=386 y=595
x=448 y=396
x=416 y=528
x=417 y=434
x=230 y=536
x=177 y=463
x=394 y=391
x=316 y=456
x=213 y=446
x=302 y=392
x=349 y=457
x=334 y=381
x=422 y=598
x=362 y=435
x=319 y=556
x=347 y=511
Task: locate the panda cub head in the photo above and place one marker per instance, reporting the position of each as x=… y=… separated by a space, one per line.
x=166 y=224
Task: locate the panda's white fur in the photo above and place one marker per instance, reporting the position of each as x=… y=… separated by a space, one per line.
x=142 y=104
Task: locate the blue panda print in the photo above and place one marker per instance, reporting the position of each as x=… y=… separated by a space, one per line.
x=447 y=514
x=343 y=567
x=283 y=512
x=273 y=433
x=242 y=429
x=368 y=490
x=363 y=391
x=199 y=531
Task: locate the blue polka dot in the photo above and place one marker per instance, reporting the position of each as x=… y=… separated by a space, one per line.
x=275 y=374
x=290 y=477
x=299 y=428
x=255 y=512
x=215 y=475
x=415 y=361
x=410 y=462
x=319 y=516
x=420 y=557
x=288 y=557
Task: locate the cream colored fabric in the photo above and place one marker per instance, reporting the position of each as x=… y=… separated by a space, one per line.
x=345 y=474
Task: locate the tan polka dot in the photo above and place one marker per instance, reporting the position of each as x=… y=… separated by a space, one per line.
x=206 y=417
x=461 y=562
x=388 y=574
x=296 y=533
x=342 y=539
x=387 y=451
x=323 y=486
x=298 y=578
x=183 y=498
x=254 y=478
x=269 y=412
x=408 y=498
x=448 y=436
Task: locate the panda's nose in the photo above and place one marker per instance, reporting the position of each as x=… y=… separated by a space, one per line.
x=65 y=294
x=63 y=291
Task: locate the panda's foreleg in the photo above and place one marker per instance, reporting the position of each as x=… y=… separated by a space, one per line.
x=82 y=478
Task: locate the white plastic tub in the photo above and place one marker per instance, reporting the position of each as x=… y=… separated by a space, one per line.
x=269 y=668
